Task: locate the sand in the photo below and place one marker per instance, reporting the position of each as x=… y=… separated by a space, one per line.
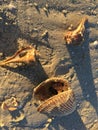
x=21 y=23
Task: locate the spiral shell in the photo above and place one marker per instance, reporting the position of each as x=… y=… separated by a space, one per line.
x=55 y=97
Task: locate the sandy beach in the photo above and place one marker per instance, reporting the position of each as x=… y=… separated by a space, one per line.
x=43 y=24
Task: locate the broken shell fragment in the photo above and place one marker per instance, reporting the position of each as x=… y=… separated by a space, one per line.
x=45 y=9
x=10 y=104
x=76 y=36
x=45 y=35
x=55 y=97
x=36 y=5
x=24 y=55
x=64 y=12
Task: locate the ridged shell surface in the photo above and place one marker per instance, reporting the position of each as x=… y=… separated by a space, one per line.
x=55 y=97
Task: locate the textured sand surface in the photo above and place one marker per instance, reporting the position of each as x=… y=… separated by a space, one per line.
x=21 y=23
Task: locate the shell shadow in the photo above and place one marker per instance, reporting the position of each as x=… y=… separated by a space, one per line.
x=34 y=72
x=80 y=57
x=70 y=122
x=5 y=128
x=19 y=123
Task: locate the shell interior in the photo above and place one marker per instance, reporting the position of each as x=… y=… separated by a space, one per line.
x=49 y=88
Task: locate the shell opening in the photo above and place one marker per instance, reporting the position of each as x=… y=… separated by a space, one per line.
x=50 y=88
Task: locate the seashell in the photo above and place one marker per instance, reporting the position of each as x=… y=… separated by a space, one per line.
x=24 y=55
x=55 y=97
x=10 y=104
x=76 y=36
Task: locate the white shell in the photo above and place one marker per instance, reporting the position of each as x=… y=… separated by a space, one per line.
x=55 y=97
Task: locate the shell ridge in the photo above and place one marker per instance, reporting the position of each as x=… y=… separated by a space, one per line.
x=56 y=97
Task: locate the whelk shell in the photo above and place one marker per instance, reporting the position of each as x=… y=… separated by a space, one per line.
x=76 y=36
x=24 y=55
x=55 y=97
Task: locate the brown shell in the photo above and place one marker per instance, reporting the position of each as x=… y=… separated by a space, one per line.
x=55 y=97
x=76 y=36
x=24 y=55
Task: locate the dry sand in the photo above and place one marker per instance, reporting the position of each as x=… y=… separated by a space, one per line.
x=22 y=24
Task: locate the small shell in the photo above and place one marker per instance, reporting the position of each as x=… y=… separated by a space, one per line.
x=55 y=97
x=10 y=104
x=64 y=12
x=76 y=36
x=24 y=55
x=35 y=4
x=45 y=9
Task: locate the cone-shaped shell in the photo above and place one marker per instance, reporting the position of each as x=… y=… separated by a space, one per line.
x=25 y=55
x=55 y=97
